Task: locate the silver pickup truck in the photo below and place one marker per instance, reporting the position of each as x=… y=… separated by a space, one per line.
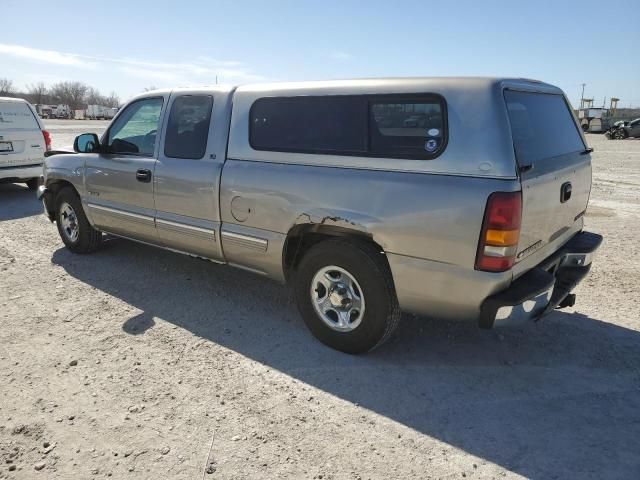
x=456 y=198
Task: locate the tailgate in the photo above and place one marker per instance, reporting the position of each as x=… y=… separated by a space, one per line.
x=555 y=173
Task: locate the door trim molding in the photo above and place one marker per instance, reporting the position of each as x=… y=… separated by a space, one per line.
x=162 y=247
x=116 y=211
x=245 y=241
x=186 y=228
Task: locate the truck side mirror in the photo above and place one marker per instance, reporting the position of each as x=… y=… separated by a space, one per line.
x=86 y=143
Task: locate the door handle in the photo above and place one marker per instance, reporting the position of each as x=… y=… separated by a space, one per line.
x=143 y=175
x=565 y=192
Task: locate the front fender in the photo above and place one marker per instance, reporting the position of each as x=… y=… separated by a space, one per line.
x=68 y=168
x=46 y=197
x=61 y=169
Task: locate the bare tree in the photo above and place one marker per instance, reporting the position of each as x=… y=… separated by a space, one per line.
x=70 y=93
x=37 y=92
x=113 y=100
x=148 y=89
x=75 y=94
x=93 y=97
x=6 y=86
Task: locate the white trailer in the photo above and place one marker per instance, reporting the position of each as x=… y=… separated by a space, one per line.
x=95 y=112
x=110 y=112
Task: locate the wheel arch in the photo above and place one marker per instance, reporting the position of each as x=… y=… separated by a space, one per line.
x=58 y=184
x=301 y=237
x=52 y=188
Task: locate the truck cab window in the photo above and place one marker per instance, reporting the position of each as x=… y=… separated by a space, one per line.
x=188 y=127
x=135 y=130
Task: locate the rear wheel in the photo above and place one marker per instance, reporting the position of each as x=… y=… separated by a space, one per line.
x=345 y=293
x=73 y=226
x=32 y=183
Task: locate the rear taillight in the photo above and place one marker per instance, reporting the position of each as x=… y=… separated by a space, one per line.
x=500 y=232
x=47 y=140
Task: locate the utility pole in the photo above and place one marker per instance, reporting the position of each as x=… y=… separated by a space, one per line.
x=582 y=96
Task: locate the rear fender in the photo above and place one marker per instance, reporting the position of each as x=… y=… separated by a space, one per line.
x=340 y=219
x=317 y=224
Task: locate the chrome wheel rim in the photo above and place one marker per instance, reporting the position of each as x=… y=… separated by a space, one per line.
x=337 y=298
x=69 y=222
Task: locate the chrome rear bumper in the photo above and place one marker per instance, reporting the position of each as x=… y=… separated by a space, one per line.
x=544 y=287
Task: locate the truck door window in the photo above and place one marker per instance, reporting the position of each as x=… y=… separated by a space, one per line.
x=188 y=127
x=135 y=130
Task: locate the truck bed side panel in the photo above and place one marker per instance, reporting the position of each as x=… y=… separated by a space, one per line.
x=427 y=223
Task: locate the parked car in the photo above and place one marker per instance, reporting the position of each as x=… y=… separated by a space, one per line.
x=23 y=142
x=616 y=131
x=480 y=219
x=624 y=129
x=414 y=121
x=632 y=129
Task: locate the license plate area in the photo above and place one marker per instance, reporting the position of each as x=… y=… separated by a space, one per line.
x=6 y=147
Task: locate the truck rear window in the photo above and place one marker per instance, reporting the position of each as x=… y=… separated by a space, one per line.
x=16 y=115
x=542 y=126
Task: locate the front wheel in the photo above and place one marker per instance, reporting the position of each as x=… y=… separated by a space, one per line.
x=620 y=134
x=73 y=226
x=345 y=293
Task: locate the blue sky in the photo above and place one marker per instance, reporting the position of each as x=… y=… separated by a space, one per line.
x=127 y=46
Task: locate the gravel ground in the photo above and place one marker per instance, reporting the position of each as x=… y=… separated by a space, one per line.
x=63 y=132
x=140 y=363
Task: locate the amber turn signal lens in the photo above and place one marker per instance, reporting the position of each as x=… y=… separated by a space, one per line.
x=502 y=237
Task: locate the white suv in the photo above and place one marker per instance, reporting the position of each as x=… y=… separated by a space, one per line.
x=23 y=141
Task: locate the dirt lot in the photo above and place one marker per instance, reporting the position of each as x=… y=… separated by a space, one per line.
x=140 y=363
x=63 y=132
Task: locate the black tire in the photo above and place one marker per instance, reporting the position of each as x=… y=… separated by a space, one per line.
x=371 y=271
x=620 y=134
x=88 y=238
x=32 y=183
